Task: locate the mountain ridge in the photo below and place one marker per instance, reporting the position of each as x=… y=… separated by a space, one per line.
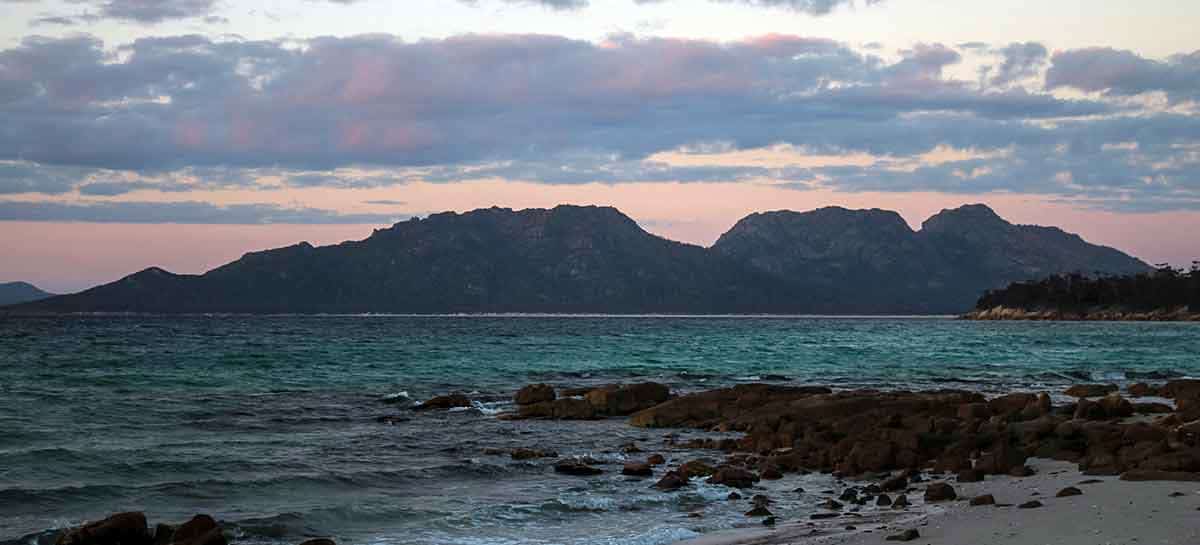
x=570 y=259
x=13 y=293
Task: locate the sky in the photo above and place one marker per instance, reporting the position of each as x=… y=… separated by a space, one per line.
x=184 y=133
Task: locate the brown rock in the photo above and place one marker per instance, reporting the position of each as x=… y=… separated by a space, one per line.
x=1068 y=492
x=1032 y=504
x=450 y=401
x=534 y=393
x=696 y=468
x=1091 y=390
x=529 y=454
x=969 y=476
x=1141 y=389
x=318 y=541
x=656 y=460
x=907 y=535
x=560 y=409
x=883 y=500
x=673 y=480
x=1158 y=475
x=1021 y=471
x=758 y=512
x=1152 y=408
x=980 y=411
x=894 y=484
x=986 y=499
x=118 y=529
x=733 y=477
x=576 y=468
x=771 y=473
x=1012 y=403
x=900 y=502
x=626 y=400
x=940 y=492
x=1116 y=406
x=1001 y=459
x=637 y=469
x=200 y=530
x=1181 y=389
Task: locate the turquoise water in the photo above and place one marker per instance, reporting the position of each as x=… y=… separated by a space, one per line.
x=273 y=424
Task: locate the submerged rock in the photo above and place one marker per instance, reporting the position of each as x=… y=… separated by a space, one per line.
x=1091 y=390
x=119 y=529
x=443 y=402
x=733 y=477
x=637 y=469
x=534 y=393
x=576 y=468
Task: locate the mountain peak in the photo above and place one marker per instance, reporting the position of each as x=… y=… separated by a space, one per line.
x=965 y=217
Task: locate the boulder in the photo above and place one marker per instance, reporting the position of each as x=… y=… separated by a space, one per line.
x=1116 y=406
x=907 y=535
x=530 y=454
x=559 y=409
x=626 y=400
x=576 y=468
x=986 y=499
x=200 y=530
x=1141 y=389
x=894 y=484
x=696 y=468
x=900 y=502
x=1158 y=475
x=969 y=476
x=1181 y=389
x=1031 y=504
x=1091 y=390
x=758 y=512
x=119 y=529
x=673 y=480
x=1001 y=459
x=940 y=492
x=883 y=500
x=450 y=401
x=656 y=460
x=637 y=469
x=733 y=477
x=534 y=393
x=1152 y=408
x=1068 y=492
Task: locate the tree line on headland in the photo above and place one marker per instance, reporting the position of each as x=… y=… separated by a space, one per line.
x=1166 y=293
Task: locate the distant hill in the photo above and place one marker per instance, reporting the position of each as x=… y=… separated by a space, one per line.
x=1165 y=294
x=596 y=259
x=12 y=293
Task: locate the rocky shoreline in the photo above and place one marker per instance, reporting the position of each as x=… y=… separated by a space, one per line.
x=896 y=456
x=1103 y=314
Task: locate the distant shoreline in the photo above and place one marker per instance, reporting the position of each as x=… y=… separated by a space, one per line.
x=7 y=314
x=1000 y=313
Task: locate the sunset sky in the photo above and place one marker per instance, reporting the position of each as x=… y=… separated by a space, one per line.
x=183 y=133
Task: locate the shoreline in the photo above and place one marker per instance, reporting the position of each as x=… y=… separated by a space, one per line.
x=1108 y=511
x=1001 y=313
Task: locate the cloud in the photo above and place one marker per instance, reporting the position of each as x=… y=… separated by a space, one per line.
x=1125 y=73
x=811 y=7
x=184 y=212
x=1021 y=61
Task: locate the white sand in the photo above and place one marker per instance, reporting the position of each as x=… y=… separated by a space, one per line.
x=1112 y=512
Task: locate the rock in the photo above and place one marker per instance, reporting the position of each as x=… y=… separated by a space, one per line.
x=119 y=529
x=1158 y=475
x=705 y=408
x=534 y=393
x=733 y=477
x=986 y=499
x=1001 y=459
x=771 y=473
x=900 y=502
x=1181 y=389
x=940 y=492
x=770 y=521
x=758 y=512
x=1141 y=389
x=1021 y=471
x=576 y=468
x=444 y=402
x=164 y=534
x=883 y=500
x=200 y=530
x=637 y=469
x=830 y=505
x=559 y=409
x=696 y=468
x=907 y=535
x=656 y=460
x=1116 y=406
x=1068 y=492
x=673 y=480
x=1152 y=408
x=1091 y=390
x=529 y=454
x=1012 y=403
x=894 y=484
x=981 y=411
x=1032 y=504
x=760 y=499
x=630 y=448
x=319 y=541
x=626 y=400
x=733 y=496
x=823 y=516
x=969 y=476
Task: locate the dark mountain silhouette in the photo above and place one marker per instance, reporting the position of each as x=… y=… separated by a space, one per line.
x=12 y=293
x=596 y=259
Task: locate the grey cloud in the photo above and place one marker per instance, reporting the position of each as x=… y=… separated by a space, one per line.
x=386 y=202
x=1021 y=60
x=185 y=212
x=1125 y=73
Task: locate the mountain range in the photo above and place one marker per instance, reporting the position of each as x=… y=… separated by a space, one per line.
x=585 y=259
x=12 y=293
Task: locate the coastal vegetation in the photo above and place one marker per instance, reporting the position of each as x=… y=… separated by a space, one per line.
x=1166 y=293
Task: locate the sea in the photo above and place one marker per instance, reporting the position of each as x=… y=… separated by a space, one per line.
x=290 y=427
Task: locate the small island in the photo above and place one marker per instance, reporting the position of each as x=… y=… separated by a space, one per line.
x=1166 y=294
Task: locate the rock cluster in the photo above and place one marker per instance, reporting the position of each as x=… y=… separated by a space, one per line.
x=541 y=401
x=131 y=529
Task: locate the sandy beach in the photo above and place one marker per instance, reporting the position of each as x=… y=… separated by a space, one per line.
x=1109 y=512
